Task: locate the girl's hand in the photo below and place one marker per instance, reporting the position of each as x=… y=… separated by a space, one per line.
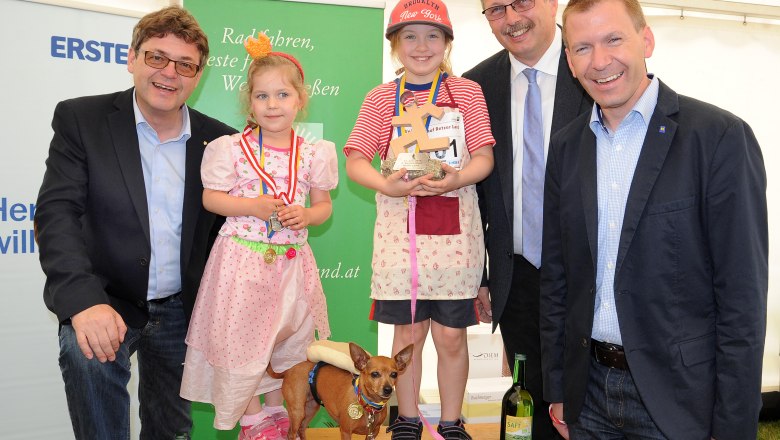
x=265 y=205
x=396 y=186
x=295 y=217
x=429 y=187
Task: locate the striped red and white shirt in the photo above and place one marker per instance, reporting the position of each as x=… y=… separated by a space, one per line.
x=373 y=129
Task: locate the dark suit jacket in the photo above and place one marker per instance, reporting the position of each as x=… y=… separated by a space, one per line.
x=495 y=192
x=690 y=276
x=92 y=217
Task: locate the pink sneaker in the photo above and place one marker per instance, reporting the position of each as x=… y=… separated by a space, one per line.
x=282 y=422
x=265 y=430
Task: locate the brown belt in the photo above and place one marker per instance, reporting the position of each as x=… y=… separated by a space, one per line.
x=609 y=355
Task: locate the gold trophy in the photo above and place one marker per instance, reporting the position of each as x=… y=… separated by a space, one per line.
x=416 y=164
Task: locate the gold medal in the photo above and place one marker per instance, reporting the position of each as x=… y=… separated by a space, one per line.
x=355 y=411
x=269 y=256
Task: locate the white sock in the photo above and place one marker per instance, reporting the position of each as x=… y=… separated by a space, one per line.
x=274 y=409
x=252 y=419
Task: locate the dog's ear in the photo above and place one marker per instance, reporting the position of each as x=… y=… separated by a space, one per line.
x=359 y=356
x=403 y=357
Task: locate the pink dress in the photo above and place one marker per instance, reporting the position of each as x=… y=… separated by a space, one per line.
x=249 y=312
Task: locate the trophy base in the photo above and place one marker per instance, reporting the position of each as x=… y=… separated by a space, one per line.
x=417 y=165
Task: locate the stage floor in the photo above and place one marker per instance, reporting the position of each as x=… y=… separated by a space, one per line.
x=478 y=431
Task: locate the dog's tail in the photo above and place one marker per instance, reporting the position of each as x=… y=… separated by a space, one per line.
x=274 y=374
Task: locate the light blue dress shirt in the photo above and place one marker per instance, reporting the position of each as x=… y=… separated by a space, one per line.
x=163 y=165
x=617 y=154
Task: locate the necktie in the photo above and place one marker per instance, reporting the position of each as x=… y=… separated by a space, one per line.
x=533 y=171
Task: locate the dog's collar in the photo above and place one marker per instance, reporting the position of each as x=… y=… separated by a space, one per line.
x=367 y=404
x=313 y=382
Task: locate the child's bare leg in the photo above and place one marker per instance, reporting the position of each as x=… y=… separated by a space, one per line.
x=274 y=398
x=254 y=406
x=453 y=368
x=408 y=385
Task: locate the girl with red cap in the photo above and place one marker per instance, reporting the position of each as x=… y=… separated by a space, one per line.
x=260 y=299
x=428 y=245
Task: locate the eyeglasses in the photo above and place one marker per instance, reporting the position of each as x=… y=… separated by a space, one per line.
x=498 y=12
x=183 y=68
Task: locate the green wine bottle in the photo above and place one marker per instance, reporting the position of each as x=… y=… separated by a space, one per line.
x=517 y=407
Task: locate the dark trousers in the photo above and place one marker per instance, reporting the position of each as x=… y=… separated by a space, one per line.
x=520 y=331
x=613 y=409
x=98 y=400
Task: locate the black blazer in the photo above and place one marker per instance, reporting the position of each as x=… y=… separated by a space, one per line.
x=691 y=270
x=495 y=192
x=92 y=217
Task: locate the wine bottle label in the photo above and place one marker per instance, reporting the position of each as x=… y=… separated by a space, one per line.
x=518 y=428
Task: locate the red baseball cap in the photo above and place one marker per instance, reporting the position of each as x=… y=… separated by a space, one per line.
x=430 y=12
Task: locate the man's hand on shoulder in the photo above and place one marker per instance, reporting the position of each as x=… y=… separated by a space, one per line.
x=99 y=331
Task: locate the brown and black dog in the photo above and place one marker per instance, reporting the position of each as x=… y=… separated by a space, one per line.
x=357 y=403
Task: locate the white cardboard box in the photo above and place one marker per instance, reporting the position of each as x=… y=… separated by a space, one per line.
x=486 y=353
x=431 y=412
x=482 y=402
x=429 y=396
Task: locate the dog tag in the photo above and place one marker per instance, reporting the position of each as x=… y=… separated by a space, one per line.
x=355 y=411
x=370 y=426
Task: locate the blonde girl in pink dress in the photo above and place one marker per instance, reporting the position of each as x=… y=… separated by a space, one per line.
x=260 y=300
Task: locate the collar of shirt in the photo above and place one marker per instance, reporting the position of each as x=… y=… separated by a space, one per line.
x=645 y=106
x=142 y=124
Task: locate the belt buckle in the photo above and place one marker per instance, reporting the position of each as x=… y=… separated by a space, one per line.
x=602 y=351
x=607 y=346
x=598 y=352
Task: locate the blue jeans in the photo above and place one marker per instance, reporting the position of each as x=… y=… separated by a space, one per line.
x=613 y=408
x=98 y=400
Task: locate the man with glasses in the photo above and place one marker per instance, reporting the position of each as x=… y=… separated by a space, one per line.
x=511 y=196
x=123 y=234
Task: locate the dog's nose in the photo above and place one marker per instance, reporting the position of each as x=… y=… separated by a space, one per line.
x=388 y=390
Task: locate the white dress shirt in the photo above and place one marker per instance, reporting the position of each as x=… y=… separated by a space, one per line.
x=547 y=79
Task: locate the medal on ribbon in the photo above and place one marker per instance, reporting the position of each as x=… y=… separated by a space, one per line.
x=269 y=256
x=269 y=184
x=275 y=224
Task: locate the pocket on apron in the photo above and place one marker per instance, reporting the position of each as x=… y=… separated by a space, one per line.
x=437 y=215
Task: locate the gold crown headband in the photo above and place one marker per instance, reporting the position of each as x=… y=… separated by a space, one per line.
x=261 y=47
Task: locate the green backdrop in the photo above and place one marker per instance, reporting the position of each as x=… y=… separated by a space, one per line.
x=340 y=48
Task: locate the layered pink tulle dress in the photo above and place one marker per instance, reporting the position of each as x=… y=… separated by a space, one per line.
x=250 y=312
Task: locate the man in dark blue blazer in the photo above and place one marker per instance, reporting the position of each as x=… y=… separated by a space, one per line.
x=510 y=292
x=123 y=234
x=654 y=274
